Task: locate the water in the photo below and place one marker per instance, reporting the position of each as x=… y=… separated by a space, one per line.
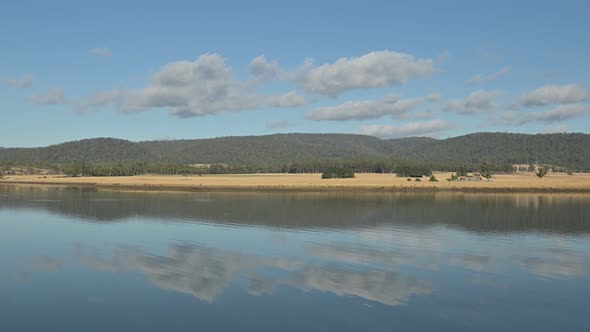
x=82 y=260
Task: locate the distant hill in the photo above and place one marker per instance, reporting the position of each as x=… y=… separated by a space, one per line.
x=559 y=149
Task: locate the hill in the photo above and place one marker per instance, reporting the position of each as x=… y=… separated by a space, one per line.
x=560 y=149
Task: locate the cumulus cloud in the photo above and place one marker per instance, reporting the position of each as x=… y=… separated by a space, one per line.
x=102 y=52
x=479 y=79
x=289 y=99
x=372 y=70
x=428 y=128
x=23 y=82
x=53 y=96
x=476 y=102
x=262 y=70
x=556 y=115
x=369 y=109
x=207 y=85
x=555 y=94
x=193 y=88
x=280 y=124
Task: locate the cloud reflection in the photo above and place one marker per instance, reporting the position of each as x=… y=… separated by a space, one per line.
x=555 y=263
x=205 y=272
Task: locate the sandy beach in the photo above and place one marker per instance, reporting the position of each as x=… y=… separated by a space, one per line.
x=521 y=182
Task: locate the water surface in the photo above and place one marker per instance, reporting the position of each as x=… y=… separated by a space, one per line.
x=84 y=260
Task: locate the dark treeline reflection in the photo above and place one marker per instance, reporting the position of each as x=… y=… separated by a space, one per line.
x=560 y=213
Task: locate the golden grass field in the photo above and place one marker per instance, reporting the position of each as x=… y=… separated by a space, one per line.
x=503 y=182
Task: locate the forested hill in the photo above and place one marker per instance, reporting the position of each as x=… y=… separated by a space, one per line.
x=559 y=149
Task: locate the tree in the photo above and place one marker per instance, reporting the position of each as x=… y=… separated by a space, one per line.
x=337 y=173
x=486 y=170
x=462 y=171
x=185 y=171
x=541 y=172
x=412 y=169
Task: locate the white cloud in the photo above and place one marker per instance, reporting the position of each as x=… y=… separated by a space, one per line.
x=372 y=70
x=280 y=124
x=476 y=102
x=262 y=70
x=479 y=79
x=102 y=52
x=556 y=115
x=428 y=128
x=561 y=113
x=194 y=88
x=207 y=85
x=433 y=97
x=369 y=109
x=23 y=82
x=555 y=94
x=52 y=96
x=101 y=99
x=289 y=99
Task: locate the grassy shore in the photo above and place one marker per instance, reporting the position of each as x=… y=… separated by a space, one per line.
x=521 y=182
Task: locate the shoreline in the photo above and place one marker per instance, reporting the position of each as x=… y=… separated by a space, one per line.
x=506 y=183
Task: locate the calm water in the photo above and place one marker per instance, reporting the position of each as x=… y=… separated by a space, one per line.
x=80 y=260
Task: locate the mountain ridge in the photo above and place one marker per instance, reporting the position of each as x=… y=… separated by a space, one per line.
x=567 y=149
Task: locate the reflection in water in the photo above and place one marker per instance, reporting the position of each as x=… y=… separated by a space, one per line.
x=556 y=263
x=472 y=262
x=47 y=264
x=206 y=272
x=558 y=213
x=315 y=261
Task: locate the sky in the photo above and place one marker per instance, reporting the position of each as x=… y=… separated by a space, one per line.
x=147 y=70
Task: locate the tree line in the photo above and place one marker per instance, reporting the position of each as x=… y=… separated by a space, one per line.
x=131 y=168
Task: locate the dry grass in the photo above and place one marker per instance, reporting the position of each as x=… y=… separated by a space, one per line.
x=507 y=182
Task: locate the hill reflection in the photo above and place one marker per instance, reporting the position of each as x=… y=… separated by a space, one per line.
x=558 y=213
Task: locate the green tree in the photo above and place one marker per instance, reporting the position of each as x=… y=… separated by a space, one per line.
x=541 y=172
x=462 y=171
x=486 y=170
x=337 y=173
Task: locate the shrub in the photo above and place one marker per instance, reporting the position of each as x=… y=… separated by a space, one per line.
x=418 y=180
x=433 y=179
x=409 y=179
x=454 y=177
x=337 y=173
x=541 y=172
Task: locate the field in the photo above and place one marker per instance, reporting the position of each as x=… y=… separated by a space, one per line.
x=504 y=182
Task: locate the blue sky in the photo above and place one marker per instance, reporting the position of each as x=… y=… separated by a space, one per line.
x=152 y=70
